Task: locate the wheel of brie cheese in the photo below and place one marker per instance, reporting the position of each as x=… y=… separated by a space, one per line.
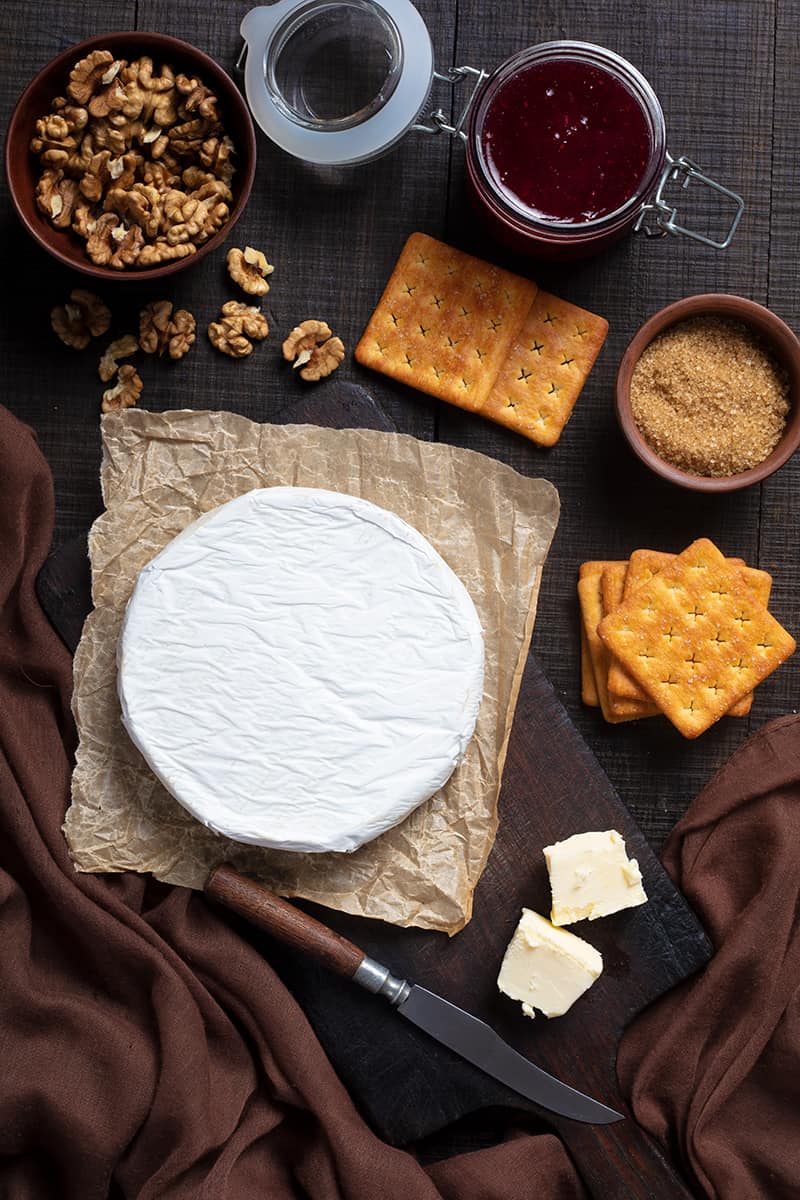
x=301 y=669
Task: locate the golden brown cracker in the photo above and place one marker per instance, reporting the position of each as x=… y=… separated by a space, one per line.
x=643 y=565
x=591 y=603
x=612 y=584
x=588 y=686
x=546 y=369
x=445 y=322
x=696 y=638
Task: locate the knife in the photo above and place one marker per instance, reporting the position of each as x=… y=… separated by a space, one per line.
x=469 y=1037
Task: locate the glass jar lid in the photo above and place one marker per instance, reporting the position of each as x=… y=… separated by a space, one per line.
x=336 y=82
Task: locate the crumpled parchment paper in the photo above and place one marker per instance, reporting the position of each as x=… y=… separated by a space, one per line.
x=493 y=526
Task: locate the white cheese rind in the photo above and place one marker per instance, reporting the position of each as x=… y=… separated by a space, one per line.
x=547 y=968
x=591 y=876
x=301 y=669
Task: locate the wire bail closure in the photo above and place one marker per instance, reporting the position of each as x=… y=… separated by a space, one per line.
x=658 y=217
x=440 y=125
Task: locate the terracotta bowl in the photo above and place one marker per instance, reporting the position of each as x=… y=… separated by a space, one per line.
x=23 y=168
x=777 y=336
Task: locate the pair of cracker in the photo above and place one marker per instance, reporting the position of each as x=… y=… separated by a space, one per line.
x=482 y=338
x=696 y=636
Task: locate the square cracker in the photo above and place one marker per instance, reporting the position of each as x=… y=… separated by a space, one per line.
x=546 y=369
x=643 y=565
x=588 y=686
x=591 y=603
x=696 y=638
x=445 y=322
x=612 y=585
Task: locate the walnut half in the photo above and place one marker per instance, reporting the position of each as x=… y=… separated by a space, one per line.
x=249 y=268
x=123 y=347
x=238 y=322
x=162 y=331
x=83 y=317
x=126 y=391
x=311 y=347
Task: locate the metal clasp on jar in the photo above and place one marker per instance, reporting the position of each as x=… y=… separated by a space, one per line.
x=438 y=117
x=658 y=217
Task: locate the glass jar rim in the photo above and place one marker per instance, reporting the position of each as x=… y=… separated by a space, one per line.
x=591 y=55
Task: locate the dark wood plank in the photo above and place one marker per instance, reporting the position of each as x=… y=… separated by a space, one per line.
x=717 y=103
x=779 y=549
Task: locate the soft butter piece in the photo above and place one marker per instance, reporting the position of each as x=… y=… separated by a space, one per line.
x=591 y=876
x=547 y=968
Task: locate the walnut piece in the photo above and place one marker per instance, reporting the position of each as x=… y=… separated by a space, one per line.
x=161 y=330
x=112 y=244
x=83 y=317
x=86 y=76
x=123 y=347
x=249 y=268
x=125 y=392
x=238 y=322
x=56 y=197
x=134 y=160
x=311 y=347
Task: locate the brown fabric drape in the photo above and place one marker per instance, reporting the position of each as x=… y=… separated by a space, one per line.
x=146 y=1050
x=713 y=1068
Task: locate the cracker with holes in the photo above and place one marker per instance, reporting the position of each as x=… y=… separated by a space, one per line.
x=612 y=584
x=643 y=565
x=590 y=596
x=445 y=322
x=546 y=369
x=696 y=638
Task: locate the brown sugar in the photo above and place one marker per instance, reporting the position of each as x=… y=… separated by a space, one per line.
x=708 y=397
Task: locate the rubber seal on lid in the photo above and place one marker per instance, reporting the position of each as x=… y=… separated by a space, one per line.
x=286 y=45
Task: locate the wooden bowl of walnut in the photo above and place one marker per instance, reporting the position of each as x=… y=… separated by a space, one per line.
x=143 y=156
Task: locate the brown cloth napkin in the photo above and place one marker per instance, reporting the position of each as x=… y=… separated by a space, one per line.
x=713 y=1068
x=146 y=1050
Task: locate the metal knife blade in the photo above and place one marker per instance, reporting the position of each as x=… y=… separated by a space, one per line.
x=478 y=1043
x=460 y=1031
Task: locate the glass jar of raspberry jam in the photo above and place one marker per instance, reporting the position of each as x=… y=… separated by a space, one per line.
x=565 y=142
x=566 y=152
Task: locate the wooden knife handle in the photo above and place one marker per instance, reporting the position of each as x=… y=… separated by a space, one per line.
x=261 y=906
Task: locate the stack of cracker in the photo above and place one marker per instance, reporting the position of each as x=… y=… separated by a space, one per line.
x=686 y=635
x=482 y=338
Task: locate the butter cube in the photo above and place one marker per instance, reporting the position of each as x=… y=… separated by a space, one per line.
x=547 y=968
x=591 y=876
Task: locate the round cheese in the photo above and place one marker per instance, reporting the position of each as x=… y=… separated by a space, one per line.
x=300 y=669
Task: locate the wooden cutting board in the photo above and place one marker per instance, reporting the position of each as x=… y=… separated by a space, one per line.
x=406 y=1085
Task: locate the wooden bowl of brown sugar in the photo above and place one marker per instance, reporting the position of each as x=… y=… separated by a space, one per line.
x=708 y=393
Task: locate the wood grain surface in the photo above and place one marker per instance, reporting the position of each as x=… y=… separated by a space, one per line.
x=726 y=76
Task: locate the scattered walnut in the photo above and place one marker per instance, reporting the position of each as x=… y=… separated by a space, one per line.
x=162 y=330
x=249 y=269
x=125 y=392
x=238 y=322
x=311 y=347
x=83 y=317
x=123 y=347
x=144 y=146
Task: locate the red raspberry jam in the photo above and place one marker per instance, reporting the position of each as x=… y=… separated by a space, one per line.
x=564 y=141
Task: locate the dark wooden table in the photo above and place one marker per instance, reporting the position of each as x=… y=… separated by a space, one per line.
x=726 y=76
